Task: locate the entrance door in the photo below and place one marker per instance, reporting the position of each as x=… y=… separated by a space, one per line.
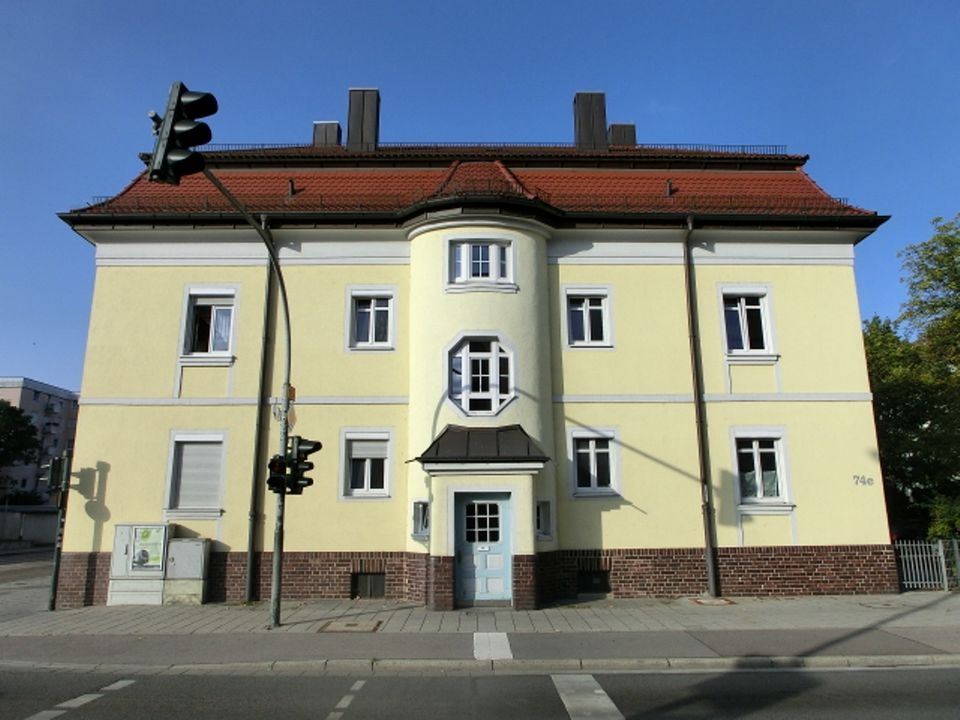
x=483 y=559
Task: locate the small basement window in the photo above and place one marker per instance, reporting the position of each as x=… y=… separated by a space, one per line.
x=593 y=582
x=368 y=585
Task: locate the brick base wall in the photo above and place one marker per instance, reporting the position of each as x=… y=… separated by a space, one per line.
x=537 y=579
x=673 y=572
x=84 y=579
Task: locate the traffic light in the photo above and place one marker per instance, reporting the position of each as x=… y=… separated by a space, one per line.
x=300 y=449
x=277 y=479
x=178 y=131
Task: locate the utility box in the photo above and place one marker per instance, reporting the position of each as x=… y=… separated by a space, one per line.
x=138 y=564
x=186 y=580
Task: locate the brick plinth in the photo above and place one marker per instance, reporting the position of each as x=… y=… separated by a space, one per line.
x=524 y=582
x=673 y=572
x=440 y=582
x=537 y=579
x=84 y=579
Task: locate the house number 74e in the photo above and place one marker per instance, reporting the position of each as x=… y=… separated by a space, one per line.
x=862 y=480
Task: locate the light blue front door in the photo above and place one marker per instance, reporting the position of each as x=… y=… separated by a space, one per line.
x=483 y=560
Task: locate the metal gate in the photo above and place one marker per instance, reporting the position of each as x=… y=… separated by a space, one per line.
x=933 y=565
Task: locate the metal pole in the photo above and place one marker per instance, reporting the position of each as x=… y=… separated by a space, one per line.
x=265 y=235
x=63 y=468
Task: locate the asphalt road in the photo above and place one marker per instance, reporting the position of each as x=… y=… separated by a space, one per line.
x=874 y=694
x=24 y=585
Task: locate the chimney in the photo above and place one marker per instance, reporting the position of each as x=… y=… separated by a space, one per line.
x=363 y=120
x=590 y=121
x=326 y=133
x=622 y=134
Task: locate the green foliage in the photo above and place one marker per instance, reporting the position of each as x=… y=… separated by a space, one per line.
x=915 y=380
x=18 y=436
x=944 y=518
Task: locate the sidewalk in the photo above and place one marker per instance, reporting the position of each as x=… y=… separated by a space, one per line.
x=388 y=637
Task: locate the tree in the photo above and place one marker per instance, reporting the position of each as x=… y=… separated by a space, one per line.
x=917 y=412
x=932 y=309
x=914 y=368
x=18 y=436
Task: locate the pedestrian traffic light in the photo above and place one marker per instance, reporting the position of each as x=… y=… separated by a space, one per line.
x=178 y=131
x=277 y=479
x=300 y=449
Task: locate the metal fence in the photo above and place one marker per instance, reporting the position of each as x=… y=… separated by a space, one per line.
x=928 y=565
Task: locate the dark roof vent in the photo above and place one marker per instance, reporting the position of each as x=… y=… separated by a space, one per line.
x=622 y=134
x=363 y=120
x=590 y=121
x=326 y=133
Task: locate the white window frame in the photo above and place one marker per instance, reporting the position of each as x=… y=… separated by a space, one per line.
x=761 y=293
x=364 y=293
x=178 y=438
x=420 y=527
x=577 y=435
x=219 y=299
x=593 y=292
x=776 y=434
x=347 y=437
x=543 y=519
x=460 y=351
x=461 y=264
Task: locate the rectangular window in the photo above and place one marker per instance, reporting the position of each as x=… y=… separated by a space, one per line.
x=370 y=319
x=421 y=519
x=480 y=262
x=366 y=461
x=209 y=325
x=197 y=474
x=587 y=319
x=745 y=323
x=544 y=519
x=759 y=469
x=593 y=462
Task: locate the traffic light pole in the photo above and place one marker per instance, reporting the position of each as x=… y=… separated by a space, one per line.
x=267 y=237
x=60 y=467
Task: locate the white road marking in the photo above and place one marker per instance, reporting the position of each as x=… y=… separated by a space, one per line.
x=79 y=701
x=583 y=698
x=346 y=700
x=46 y=715
x=491 y=646
x=118 y=685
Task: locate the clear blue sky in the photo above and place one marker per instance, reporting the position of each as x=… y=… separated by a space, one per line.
x=867 y=89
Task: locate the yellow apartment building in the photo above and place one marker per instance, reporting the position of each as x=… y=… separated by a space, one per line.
x=537 y=371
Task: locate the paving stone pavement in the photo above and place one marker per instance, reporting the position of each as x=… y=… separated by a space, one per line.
x=909 y=610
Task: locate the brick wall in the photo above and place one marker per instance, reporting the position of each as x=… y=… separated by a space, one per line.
x=84 y=579
x=537 y=579
x=440 y=582
x=672 y=572
x=524 y=582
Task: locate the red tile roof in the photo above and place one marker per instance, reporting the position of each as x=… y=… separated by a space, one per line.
x=363 y=187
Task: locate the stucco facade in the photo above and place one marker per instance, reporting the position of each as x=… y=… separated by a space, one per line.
x=486 y=309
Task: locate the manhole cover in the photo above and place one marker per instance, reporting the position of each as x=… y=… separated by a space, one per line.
x=359 y=626
x=713 y=601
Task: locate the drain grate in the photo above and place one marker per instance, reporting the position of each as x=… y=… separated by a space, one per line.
x=354 y=626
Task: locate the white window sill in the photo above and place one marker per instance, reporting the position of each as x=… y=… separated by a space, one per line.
x=753 y=358
x=595 y=493
x=477 y=286
x=371 y=347
x=207 y=360
x=590 y=345
x=422 y=537
x=192 y=513
x=766 y=508
x=366 y=496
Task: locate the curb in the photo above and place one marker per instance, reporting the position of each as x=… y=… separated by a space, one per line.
x=504 y=667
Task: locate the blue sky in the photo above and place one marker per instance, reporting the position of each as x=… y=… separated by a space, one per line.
x=867 y=89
